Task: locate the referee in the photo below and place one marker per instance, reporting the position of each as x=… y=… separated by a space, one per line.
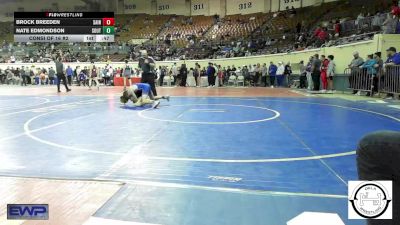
x=60 y=75
x=147 y=65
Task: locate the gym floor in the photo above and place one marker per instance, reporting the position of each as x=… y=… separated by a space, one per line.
x=234 y=156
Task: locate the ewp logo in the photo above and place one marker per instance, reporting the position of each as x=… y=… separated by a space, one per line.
x=27 y=211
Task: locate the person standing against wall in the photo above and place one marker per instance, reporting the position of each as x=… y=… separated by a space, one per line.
x=316 y=72
x=303 y=75
x=52 y=75
x=280 y=74
x=272 y=73
x=69 y=73
x=163 y=71
x=331 y=72
x=257 y=74
x=354 y=66
x=310 y=84
x=93 y=76
x=324 y=69
x=211 y=75
x=183 y=74
x=264 y=71
x=174 y=72
x=127 y=74
x=24 y=76
x=196 y=74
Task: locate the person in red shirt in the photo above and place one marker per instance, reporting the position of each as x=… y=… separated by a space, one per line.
x=323 y=35
x=337 y=28
x=317 y=31
x=395 y=9
x=324 y=69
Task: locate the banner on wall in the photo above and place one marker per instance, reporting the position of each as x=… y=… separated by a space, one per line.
x=200 y=7
x=284 y=4
x=244 y=6
x=177 y=7
x=136 y=6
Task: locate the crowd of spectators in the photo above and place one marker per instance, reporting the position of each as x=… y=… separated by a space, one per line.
x=200 y=44
x=79 y=76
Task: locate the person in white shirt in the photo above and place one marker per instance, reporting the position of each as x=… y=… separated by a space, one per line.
x=280 y=74
x=191 y=81
x=174 y=71
x=331 y=72
x=264 y=73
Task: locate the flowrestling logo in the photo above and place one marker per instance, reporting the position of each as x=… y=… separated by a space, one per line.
x=370 y=199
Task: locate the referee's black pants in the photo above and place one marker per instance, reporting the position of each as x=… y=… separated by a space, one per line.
x=316 y=77
x=148 y=78
x=62 y=77
x=378 y=157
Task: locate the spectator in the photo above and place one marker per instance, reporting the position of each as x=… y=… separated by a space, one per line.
x=369 y=66
x=354 y=66
x=316 y=72
x=69 y=73
x=174 y=70
x=264 y=72
x=272 y=73
x=303 y=75
x=191 y=81
x=337 y=28
x=211 y=75
x=280 y=74
x=183 y=73
x=324 y=75
x=310 y=85
x=359 y=20
x=220 y=76
x=395 y=11
x=82 y=78
x=127 y=74
x=162 y=72
x=77 y=71
x=393 y=59
x=377 y=21
x=257 y=74
x=322 y=36
x=390 y=24
x=52 y=75
x=331 y=72
x=197 y=74
x=287 y=73
x=43 y=77
x=11 y=77
x=24 y=76
x=93 y=73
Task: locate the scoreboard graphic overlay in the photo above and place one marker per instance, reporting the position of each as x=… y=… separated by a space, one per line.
x=64 y=26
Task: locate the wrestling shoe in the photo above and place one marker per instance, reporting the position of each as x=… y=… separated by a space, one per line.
x=156 y=104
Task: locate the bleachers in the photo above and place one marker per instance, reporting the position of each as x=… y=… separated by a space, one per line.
x=237 y=26
x=143 y=26
x=6 y=31
x=179 y=27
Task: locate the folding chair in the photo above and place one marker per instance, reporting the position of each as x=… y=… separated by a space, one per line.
x=240 y=79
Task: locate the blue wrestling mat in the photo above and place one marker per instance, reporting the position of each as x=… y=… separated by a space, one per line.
x=196 y=161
